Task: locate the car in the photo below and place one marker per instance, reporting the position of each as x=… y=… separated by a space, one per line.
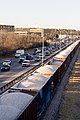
x=6 y=62
x=25 y=63
x=36 y=50
x=5 y=68
x=21 y=58
x=28 y=56
x=41 y=55
x=17 y=55
x=37 y=58
x=50 y=49
x=47 y=53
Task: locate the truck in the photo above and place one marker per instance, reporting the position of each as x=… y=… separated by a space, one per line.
x=18 y=53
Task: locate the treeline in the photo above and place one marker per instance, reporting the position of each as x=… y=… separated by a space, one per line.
x=9 y=42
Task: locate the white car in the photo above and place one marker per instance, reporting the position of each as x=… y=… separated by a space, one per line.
x=41 y=56
x=6 y=62
x=25 y=63
x=17 y=55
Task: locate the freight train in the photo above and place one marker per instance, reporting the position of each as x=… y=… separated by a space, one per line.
x=28 y=99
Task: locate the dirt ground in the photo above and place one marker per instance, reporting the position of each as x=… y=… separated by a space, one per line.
x=70 y=105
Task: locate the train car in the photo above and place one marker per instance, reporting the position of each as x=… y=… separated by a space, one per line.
x=13 y=105
x=53 y=71
x=60 y=57
x=73 y=48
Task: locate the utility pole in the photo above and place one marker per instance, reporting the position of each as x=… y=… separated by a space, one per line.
x=60 y=41
x=42 y=35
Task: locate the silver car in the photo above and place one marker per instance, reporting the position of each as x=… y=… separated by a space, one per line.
x=6 y=62
x=25 y=63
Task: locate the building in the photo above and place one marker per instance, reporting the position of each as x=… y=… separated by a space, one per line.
x=37 y=31
x=21 y=32
x=42 y=31
x=7 y=28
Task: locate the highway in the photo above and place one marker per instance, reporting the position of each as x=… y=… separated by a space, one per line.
x=16 y=69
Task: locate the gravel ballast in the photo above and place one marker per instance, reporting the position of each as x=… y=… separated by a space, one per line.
x=70 y=106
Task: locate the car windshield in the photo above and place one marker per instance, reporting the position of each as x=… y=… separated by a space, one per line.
x=6 y=61
x=22 y=56
x=5 y=65
x=26 y=62
x=18 y=53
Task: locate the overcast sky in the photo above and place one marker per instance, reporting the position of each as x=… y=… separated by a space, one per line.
x=58 y=14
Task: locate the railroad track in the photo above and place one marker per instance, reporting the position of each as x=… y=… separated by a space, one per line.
x=11 y=83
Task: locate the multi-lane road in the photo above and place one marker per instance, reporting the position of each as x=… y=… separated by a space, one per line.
x=16 y=69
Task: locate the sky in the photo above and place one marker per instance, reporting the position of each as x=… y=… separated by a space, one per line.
x=59 y=14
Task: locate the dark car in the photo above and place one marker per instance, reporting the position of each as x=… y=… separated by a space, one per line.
x=28 y=56
x=22 y=58
x=36 y=51
x=5 y=68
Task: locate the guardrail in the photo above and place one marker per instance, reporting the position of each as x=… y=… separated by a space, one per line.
x=10 y=84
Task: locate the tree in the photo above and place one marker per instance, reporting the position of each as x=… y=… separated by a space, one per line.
x=51 y=36
x=57 y=36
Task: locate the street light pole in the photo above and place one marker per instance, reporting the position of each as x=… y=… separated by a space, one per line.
x=60 y=41
x=42 y=45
